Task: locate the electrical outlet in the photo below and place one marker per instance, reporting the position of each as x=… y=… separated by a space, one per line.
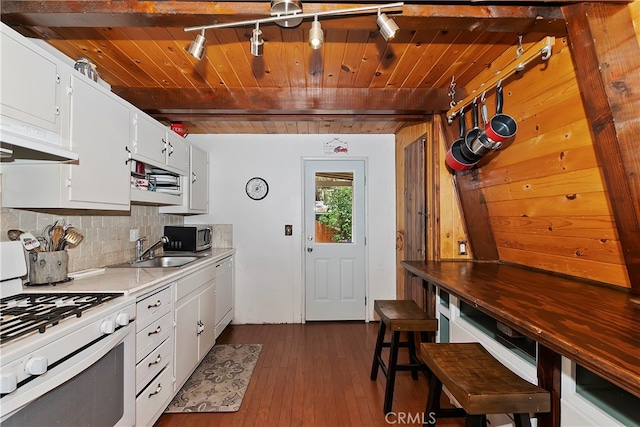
x=288 y=230
x=134 y=233
x=462 y=247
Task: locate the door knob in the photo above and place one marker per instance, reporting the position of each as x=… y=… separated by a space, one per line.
x=309 y=237
x=309 y=249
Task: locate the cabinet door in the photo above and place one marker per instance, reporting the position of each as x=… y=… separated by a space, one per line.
x=224 y=289
x=148 y=140
x=30 y=83
x=98 y=133
x=208 y=319
x=186 y=351
x=199 y=180
x=177 y=153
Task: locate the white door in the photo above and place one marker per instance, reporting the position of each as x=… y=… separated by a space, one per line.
x=334 y=210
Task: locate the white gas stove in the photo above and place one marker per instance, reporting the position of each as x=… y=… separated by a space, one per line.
x=59 y=346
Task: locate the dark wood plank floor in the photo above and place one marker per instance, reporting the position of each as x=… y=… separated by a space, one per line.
x=316 y=374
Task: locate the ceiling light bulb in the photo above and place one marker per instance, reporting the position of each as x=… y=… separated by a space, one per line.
x=196 y=49
x=388 y=27
x=257 y=42
x=316 y=35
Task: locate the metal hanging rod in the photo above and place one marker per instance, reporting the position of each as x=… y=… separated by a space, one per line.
x=540 y=49
x=280 y=17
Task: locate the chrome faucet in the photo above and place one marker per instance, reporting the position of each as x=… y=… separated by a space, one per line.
x=140 y=254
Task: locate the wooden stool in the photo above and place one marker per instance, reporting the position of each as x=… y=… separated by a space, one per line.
x=399 y=316
x=480 y=384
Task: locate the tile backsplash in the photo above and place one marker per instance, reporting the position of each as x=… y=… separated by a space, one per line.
x=106 y=237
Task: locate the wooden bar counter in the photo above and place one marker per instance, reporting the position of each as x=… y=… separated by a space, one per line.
x=596 y=326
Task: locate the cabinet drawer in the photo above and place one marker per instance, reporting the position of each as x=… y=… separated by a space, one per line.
x=151 y=336
x=154 y=398
x=151 y=365
x=193 y=281
x=155 y=304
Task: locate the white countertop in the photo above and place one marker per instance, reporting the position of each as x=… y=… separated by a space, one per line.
x=131 y=281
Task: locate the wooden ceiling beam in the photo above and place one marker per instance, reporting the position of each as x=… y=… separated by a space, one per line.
x=605 y=50
x=325 y=101
x=130 y=13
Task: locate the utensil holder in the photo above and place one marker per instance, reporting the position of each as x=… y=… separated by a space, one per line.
x=48 y=267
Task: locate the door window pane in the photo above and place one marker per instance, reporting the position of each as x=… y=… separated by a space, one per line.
x=334 y=207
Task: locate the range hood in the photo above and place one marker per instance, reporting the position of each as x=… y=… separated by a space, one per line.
x=24 y=142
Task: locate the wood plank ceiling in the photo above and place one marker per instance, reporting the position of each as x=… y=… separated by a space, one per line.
x=357 y=83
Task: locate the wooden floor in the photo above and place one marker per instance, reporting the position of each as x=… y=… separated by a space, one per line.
x=316 y=374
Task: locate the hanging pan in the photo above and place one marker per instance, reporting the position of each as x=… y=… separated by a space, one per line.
x=474 y=147
x=454 y=157
x=501 y=126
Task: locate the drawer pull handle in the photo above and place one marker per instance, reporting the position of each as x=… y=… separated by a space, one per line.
x=158 y=390
x=157 y=331
x=157 y=304
x=155 y=362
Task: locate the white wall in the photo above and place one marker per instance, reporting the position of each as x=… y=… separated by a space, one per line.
x=269 y=265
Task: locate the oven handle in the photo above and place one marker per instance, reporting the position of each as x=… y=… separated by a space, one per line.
x=87 y=357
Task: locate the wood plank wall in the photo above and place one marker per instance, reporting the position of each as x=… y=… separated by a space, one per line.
x=547 y=201
x=545 y=194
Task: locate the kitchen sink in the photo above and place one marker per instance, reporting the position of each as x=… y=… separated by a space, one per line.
x=161 y=261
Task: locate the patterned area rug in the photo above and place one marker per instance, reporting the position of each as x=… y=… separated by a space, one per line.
x=219 y=383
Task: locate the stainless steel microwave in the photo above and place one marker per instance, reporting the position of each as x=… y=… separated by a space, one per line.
x=187 y=238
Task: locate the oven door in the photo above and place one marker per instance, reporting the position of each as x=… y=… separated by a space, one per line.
x=94 y=386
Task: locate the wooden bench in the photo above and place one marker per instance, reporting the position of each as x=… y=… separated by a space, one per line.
x=480 y=384
x=399 y=316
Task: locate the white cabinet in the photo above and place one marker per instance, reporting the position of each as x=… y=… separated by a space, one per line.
x=177 y=153
x=30 y=81
x=94 y=126
x=154 y=356
x=224 y=293
x=148 y=139
x=194 y=321
x=157 y=145
x=195 y=186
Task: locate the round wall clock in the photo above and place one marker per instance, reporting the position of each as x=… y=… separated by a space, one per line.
x=257 y=188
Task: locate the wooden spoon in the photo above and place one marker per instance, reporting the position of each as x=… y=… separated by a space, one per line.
x=14 y=234
x=57 y=235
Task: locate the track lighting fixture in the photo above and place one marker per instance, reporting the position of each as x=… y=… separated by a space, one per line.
x=257 y=43
x=388 y=27
x=316 y=35
x=196 y=49
x=288 y=13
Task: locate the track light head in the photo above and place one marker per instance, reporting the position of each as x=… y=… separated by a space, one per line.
x=316 y=35
x=196 y=48
x=257 y=43
x=388 y=27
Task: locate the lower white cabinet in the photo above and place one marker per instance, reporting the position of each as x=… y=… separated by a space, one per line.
x=195 y=303
x=224 y=293
x=154 y=355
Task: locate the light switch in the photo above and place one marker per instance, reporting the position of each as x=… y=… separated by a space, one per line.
x=134 y=233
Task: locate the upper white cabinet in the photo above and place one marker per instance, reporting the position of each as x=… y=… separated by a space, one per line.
x=195 y=185
x=31 y=89
x=177 y=153
x=148 y=139
x=156 y=145
x=92 y=127
x=98 y=136
x=30 y=97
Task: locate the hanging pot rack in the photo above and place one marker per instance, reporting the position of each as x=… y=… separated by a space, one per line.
x=540 y=49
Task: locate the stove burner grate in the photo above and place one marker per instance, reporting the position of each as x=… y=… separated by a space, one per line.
x=27 y=313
